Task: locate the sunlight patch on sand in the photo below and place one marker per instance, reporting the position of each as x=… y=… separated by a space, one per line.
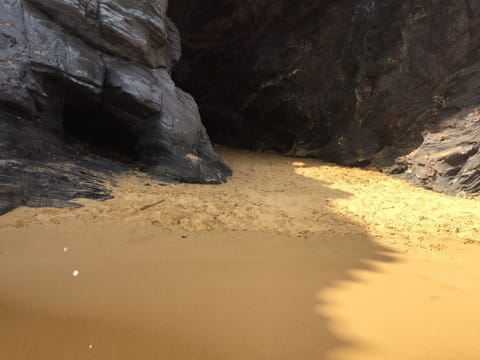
x=289 y=260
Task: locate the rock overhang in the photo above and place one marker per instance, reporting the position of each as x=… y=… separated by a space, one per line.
x=110 y=57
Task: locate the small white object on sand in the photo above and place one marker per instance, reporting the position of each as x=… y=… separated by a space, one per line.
x=76 y=273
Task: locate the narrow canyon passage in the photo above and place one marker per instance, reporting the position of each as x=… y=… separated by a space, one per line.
x=289 y=260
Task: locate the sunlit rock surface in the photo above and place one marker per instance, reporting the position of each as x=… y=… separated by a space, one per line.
x=449 y=158
x=85 y=86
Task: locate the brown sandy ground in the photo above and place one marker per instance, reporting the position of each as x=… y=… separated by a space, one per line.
x=292 y=259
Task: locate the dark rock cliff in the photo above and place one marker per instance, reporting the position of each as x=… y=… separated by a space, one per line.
x=359 y=82
x=85 y=85
x=86 y=89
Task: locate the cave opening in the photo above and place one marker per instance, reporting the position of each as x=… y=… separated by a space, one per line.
x=269 y=120
x=249 y=77
x=91 y=128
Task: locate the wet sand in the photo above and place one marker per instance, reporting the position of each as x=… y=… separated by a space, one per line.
x=292 y=259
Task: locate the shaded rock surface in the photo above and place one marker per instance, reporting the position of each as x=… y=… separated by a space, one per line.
x=352 y=81
x=85 y=91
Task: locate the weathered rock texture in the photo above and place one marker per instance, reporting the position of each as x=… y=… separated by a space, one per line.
x=358 y=82
x=86 y=89
x=83 y=83
x=449 y=158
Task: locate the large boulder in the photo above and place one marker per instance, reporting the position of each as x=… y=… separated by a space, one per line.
x=85 y=90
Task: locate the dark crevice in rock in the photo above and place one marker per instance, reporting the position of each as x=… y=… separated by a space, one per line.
x=268 y=63
x=92 y=129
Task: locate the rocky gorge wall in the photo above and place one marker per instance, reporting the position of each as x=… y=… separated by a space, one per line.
x=86 y=90
x=390 y=84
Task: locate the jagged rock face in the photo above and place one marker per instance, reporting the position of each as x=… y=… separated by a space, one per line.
x=82 y=77
x=353 y=81
x=449 y=158
x=86 y=89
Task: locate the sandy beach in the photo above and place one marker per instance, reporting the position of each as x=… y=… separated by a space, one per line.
x=291 y=259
